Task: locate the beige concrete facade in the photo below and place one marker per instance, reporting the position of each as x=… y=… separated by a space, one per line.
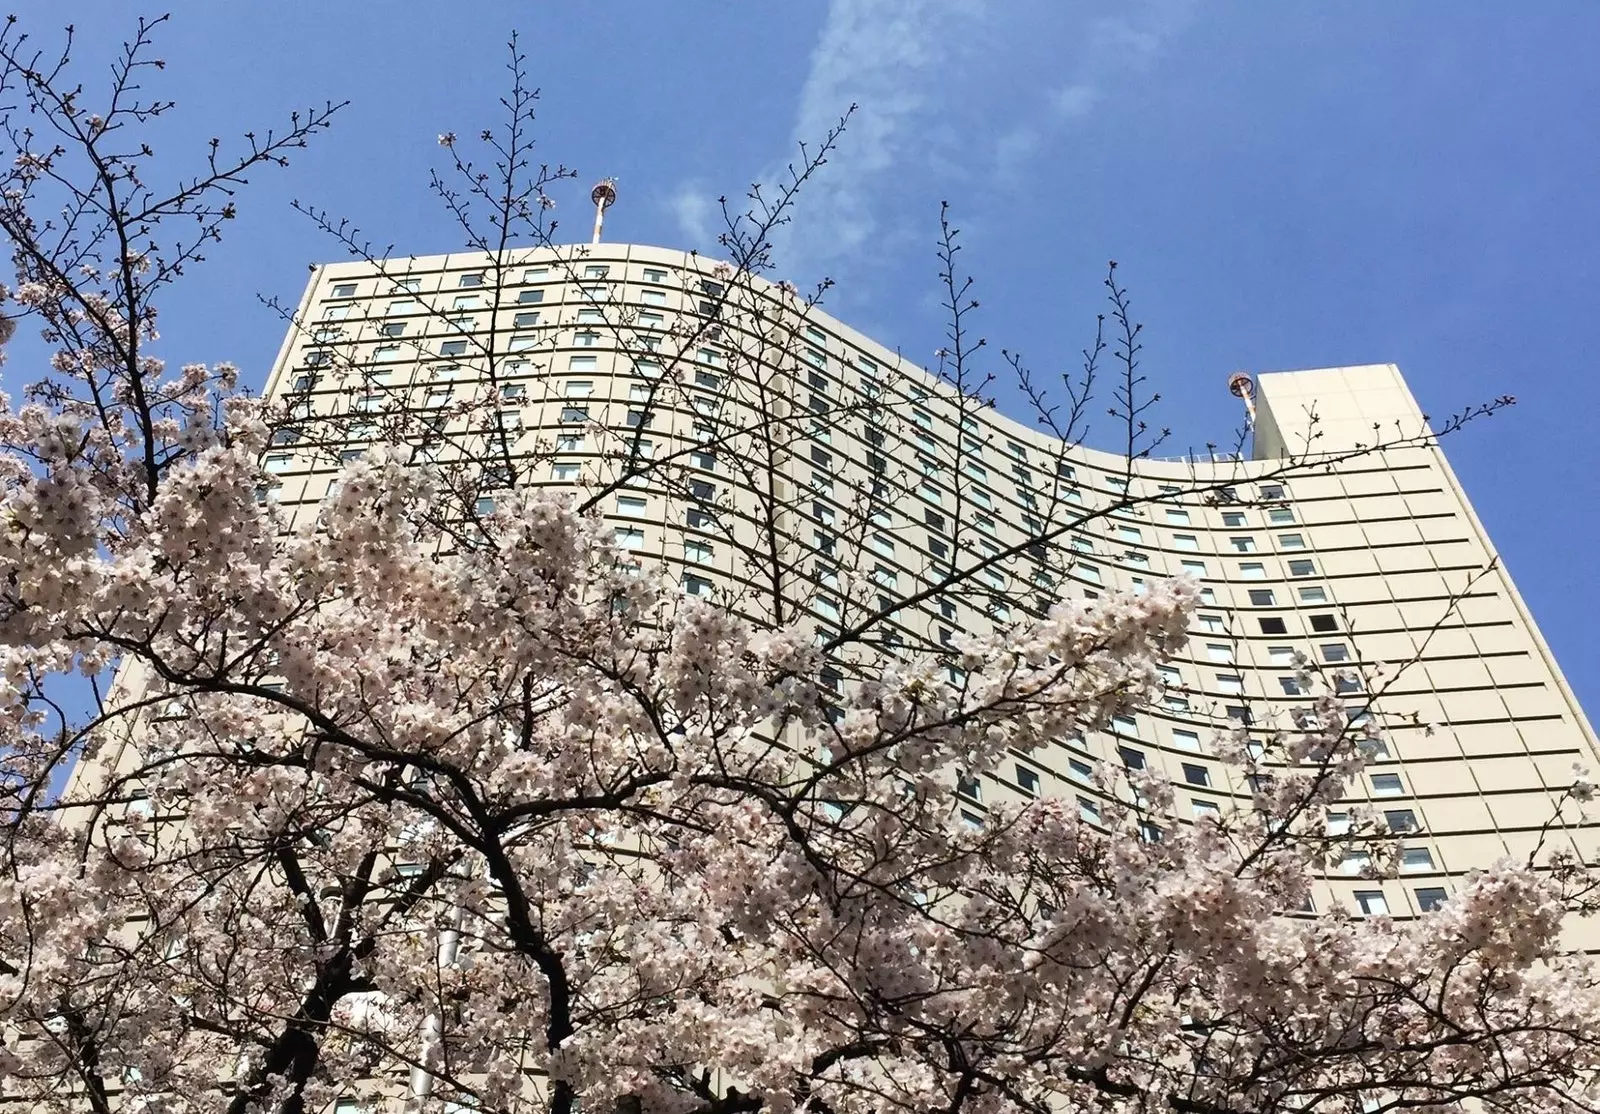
x=1377 y=558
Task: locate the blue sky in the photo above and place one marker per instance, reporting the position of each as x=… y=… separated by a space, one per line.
x=1286 y=185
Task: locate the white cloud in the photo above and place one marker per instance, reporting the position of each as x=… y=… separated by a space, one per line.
x=695 y=210
x=884 y=57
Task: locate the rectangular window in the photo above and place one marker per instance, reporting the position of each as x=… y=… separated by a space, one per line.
x=1203 y=808
x=1387 y=785
x=1177 y=517
x=1126 y=725
x=1196 y=775
x=1291 y=541
x=1185 y=740
x=1272 y=491
x=344 y=290
x=1185 y=541
x=1280 y=516
x=1233 y=518
x=1088 y=811
x=1302 y=567
x=1313 y=595
x=1371 y=903
x=452 y=348
x=1416 y=858
x=1230 y=683
x=1027 y=780
x=1291 y=686
x=630 y=537
x=279 y=462
x=1243 y=545
x=1324 y=624
x=633 y=505
x=696 y=585
x=1355 y=862
x=696 y=552
x=1252 y=570
x=1220 y=651
x=564 y=473
x=1193 y=567
x=1430 y=898
x=1335 y=651
x=1262 y=597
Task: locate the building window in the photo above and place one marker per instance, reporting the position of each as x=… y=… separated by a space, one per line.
x=1313 y=595
x=1233 y=518
x=1027 y=780
x=1335 y=651
x=1272 y=491
x=1324 y=624
x=1088 y=811
x=1196 y=775
x=1355 y=862
x=1185 y=740
x=452 y=348
x=696 y=585
x=1416 y=859
x=1126 y=725
x=1371 y=903
x=1243 y=545
x=1177 y=516
x=697 y=552
x=564 y=473
x=344 y=290
x=630 y=537
x=633 y=505
x=1185 y=541
x=1430 y=898
x=1132 y=759
x=1291 y=541
x=1387 y=785
x=1252 y=570
x=1302 y=567
x=1271 y=624
x=1194 y=568
x=1203 y=808
x=1230 y=683
x=1291 y=686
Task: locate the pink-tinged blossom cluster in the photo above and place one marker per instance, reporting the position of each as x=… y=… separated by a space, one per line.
x=493 y=816
x=516 y=809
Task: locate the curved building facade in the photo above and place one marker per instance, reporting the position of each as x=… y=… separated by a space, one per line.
x=777 y=459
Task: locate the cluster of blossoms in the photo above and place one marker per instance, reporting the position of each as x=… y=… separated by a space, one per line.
x=517 y=809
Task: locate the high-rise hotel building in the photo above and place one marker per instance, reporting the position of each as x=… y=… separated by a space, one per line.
x=795 y=441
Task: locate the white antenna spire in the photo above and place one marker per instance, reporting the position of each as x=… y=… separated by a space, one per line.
x=1241 y=386
x=603 y=195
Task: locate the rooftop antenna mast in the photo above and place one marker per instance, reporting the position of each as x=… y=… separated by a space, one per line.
x=1242 y=387
x=603 y=195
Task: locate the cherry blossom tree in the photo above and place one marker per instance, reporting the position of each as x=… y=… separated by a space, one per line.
x=430 y=806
